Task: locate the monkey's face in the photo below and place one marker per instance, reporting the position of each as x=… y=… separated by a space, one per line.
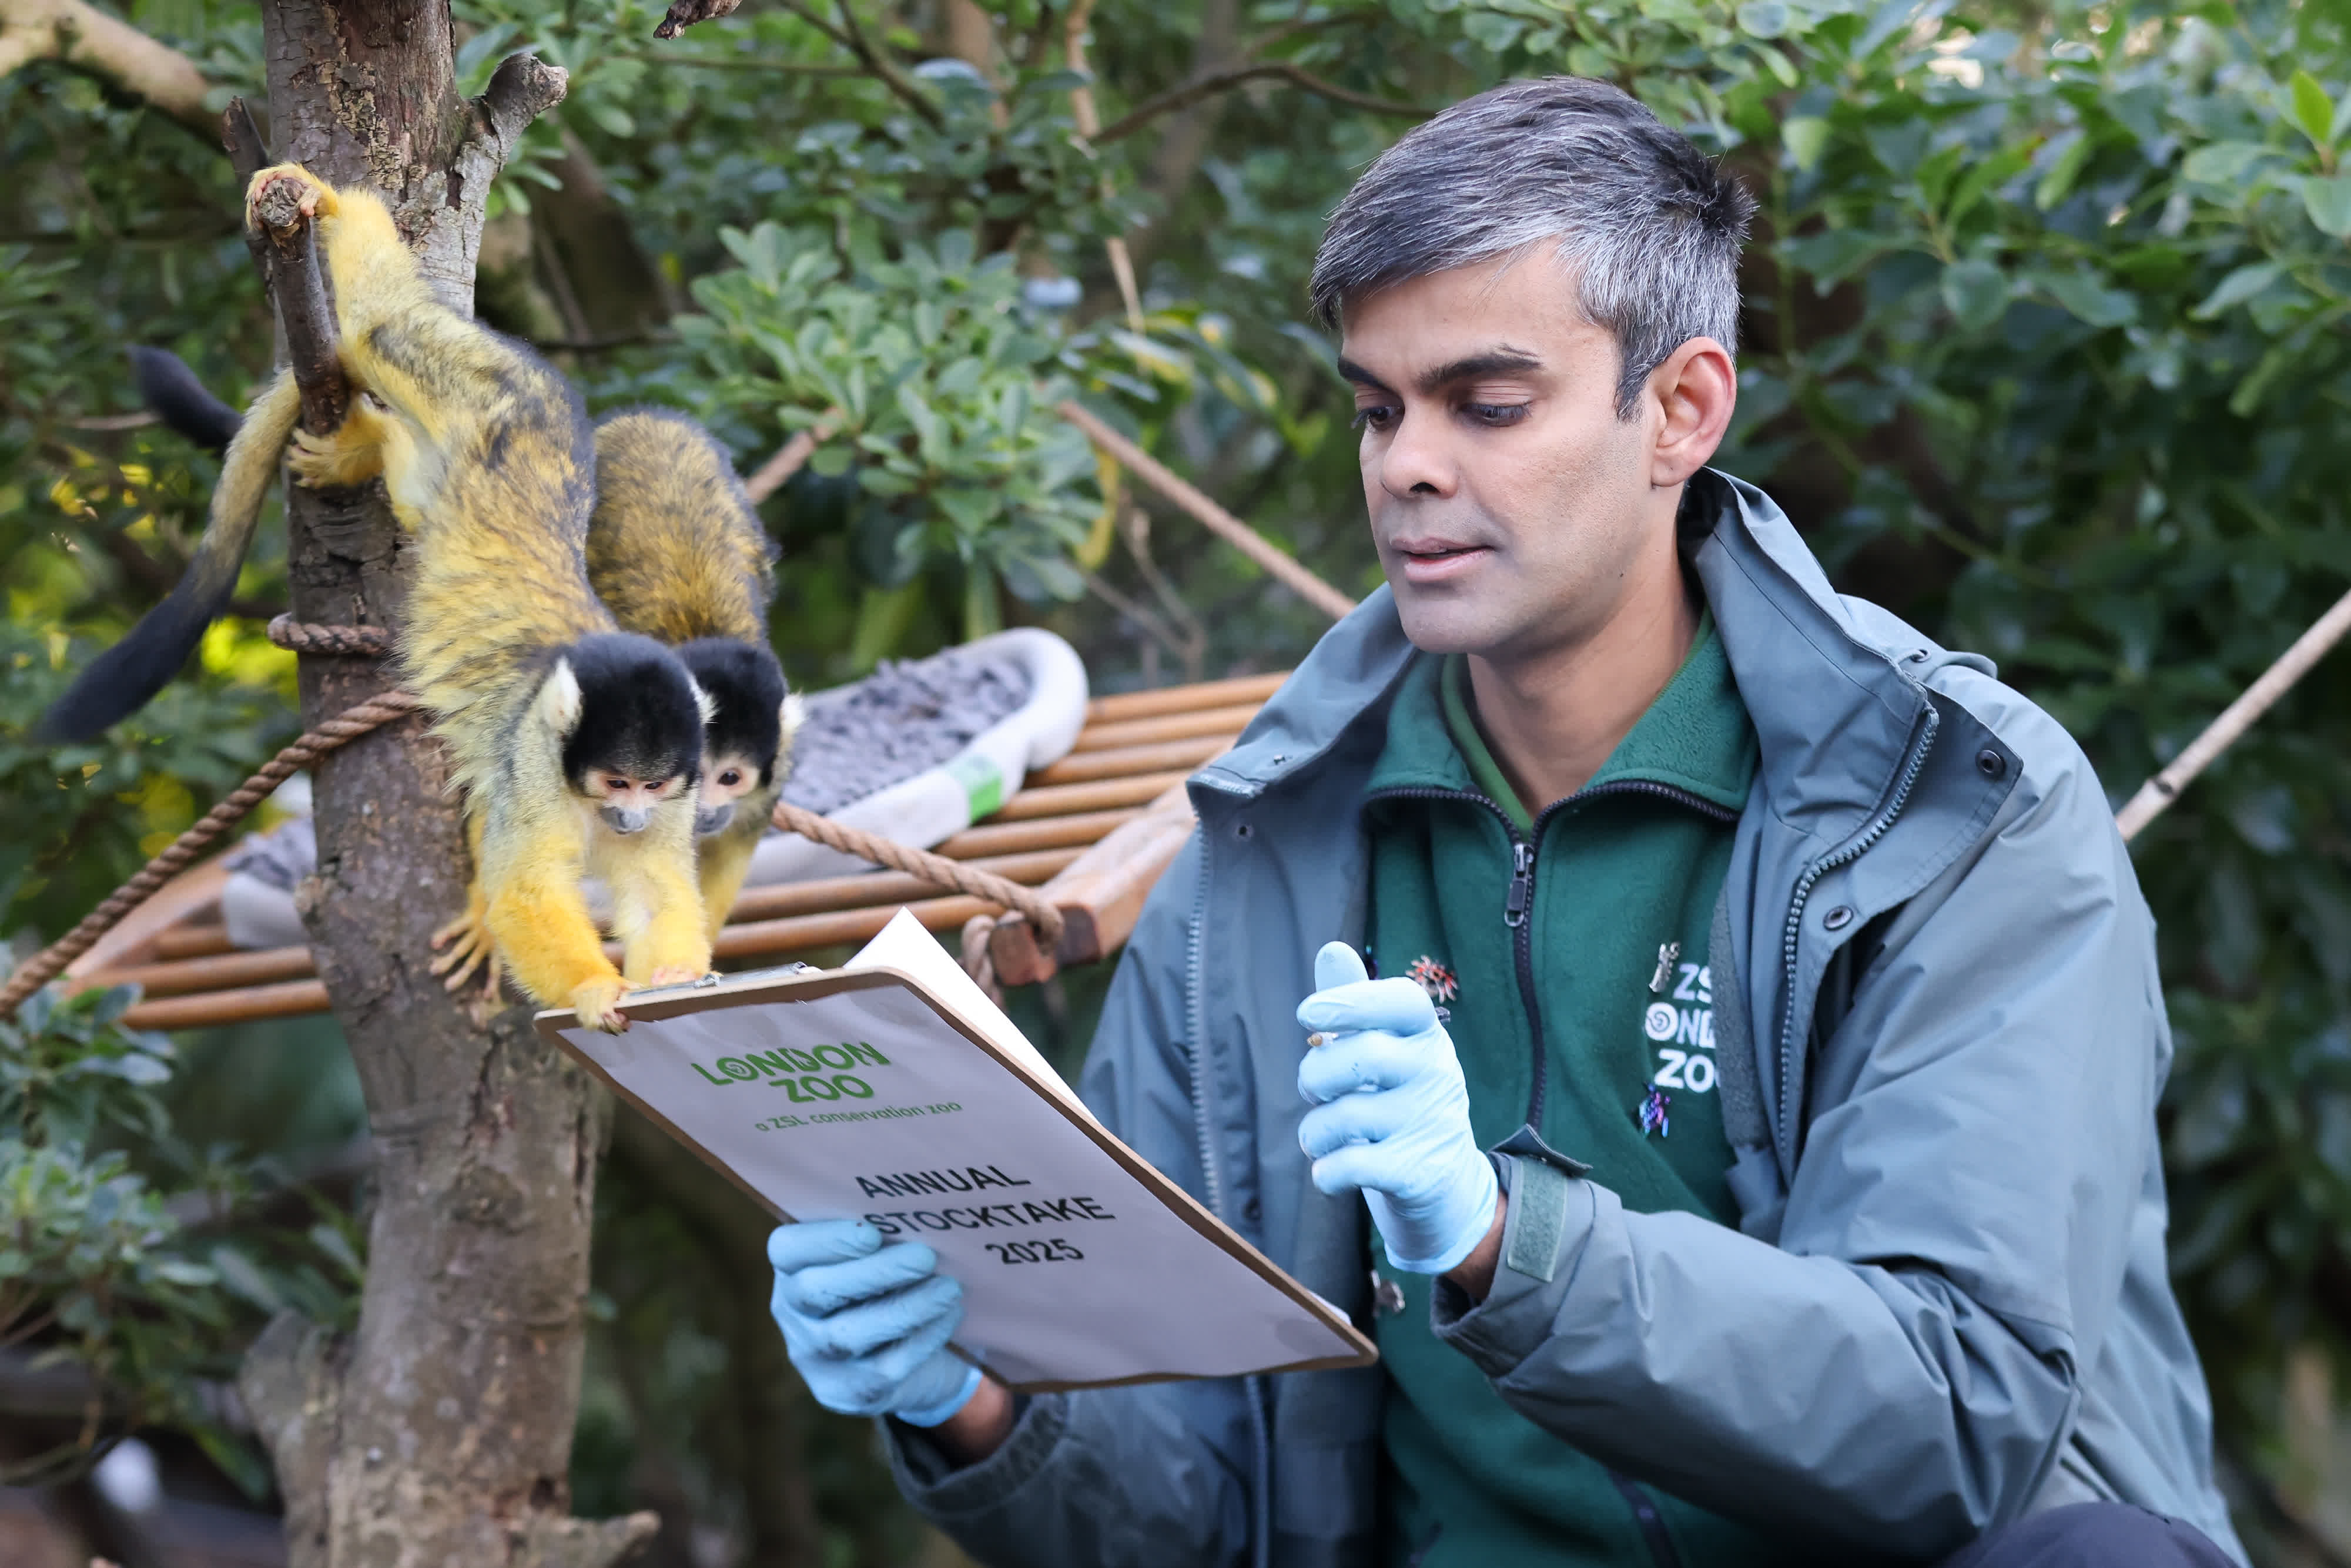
x=625 y=799
x=727 y=777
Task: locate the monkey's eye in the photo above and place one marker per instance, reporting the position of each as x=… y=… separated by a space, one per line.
x=616 y=785
x=731 y=778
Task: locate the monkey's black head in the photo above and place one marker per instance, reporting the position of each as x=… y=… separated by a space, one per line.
x=745 y=735
x=634 y=738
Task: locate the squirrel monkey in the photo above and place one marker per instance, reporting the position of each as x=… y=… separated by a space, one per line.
x=578 y=746
x=676 y=551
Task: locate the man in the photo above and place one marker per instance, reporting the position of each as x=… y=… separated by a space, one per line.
x=1756 y=1120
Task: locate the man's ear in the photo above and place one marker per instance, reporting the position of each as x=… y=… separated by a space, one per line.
x=1694 y=390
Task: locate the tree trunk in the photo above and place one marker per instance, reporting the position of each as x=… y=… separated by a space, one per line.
x=440 y=1432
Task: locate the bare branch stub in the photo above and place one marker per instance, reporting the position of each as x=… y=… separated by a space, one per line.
x=684 y=13
x=523 y=88
x=286 y=248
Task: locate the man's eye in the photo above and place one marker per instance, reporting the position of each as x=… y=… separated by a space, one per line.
x=1497 y=413
x=1380 y=417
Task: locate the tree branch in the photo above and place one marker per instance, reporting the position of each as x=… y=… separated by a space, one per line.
x=86 y=39
x=524 y=88
x=1177 y=98
x=851 y=36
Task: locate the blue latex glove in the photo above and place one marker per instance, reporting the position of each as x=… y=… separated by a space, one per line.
x=1391 y=1115
x=867 y=1325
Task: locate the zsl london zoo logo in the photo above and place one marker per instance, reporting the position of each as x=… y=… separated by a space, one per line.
x=804 y=1076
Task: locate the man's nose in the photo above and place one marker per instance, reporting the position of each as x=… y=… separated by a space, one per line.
x=1419 y=460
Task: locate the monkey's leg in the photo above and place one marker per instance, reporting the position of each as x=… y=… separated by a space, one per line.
x=396 y=334
x=538 y=918
x=468 y=938
x=656 y=902
x=352 y=454
x=723 y=861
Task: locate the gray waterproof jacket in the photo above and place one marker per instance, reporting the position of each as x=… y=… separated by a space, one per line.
x=1947 y=1305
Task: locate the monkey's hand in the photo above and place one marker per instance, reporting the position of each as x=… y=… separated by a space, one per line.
x=598 y=1003
x=288 y=188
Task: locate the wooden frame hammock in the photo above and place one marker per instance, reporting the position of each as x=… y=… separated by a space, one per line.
x=1092 y=832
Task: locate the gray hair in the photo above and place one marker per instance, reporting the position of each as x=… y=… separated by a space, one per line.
x=1652 y=227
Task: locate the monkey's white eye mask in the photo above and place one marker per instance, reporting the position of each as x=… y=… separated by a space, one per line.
x=626 y=804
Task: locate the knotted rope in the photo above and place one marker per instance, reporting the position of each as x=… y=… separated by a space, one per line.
x=375 y=642
x=932 y=868
x=339 y=731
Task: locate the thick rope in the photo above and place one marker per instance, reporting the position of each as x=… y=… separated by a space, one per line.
x=932 y=868
x=335 y=642
x=341 y=729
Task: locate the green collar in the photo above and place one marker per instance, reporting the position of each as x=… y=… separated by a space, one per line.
x=1696 y=737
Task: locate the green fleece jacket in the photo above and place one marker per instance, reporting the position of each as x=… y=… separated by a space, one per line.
x=1568 y=949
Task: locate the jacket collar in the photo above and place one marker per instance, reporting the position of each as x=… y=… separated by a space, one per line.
x=1825 y=680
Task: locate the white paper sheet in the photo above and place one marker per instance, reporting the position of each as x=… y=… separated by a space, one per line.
x=1074 y=1269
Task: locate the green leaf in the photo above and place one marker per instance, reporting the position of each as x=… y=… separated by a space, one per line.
x=2313 y=109
x=1805 y=137
x=1763 y=18
x=1976 y=291
x=2327 y=199
x=2237 y=288
x=2063 y=171
x=2225 y=163
x=2084 y=297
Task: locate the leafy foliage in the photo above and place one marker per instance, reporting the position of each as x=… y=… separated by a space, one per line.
x=102 y=1262
x=924 y=372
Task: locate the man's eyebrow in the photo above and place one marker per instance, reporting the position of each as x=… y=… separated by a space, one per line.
x=1501 y=361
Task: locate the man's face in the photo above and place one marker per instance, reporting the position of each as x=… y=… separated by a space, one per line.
x=1513 y=509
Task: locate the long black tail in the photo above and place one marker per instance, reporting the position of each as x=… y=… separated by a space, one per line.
x=120 y=681
x=183 y=403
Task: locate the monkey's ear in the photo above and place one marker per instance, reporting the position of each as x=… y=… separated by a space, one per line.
x=789 y=717
x=702 y=700
x=558 y=702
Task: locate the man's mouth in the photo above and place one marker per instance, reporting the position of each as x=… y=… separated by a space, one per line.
x=1435 y=561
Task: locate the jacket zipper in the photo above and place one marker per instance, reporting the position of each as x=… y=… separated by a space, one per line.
x=1518 y=904
x=1518 y=910
x=1852 y=850
x=1212 y=1188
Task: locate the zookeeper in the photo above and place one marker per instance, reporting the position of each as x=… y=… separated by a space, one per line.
x=1759 y=1160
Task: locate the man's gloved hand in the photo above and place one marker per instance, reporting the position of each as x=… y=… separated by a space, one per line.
x=867 y=1325
x=1391 y=1115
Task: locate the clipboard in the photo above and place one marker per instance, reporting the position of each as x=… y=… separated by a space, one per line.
x=893 y=1088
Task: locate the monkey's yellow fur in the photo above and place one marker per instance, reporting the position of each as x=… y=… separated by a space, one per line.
x=486 y=453
x=676 y=551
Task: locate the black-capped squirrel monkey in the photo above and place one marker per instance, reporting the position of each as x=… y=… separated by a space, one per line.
x=676 y=551
x=578 y=746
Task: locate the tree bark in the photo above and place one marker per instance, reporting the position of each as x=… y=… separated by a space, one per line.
x=441 y=1431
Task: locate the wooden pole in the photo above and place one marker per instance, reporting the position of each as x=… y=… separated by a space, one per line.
x=1279 y=563
x=2236 y=718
